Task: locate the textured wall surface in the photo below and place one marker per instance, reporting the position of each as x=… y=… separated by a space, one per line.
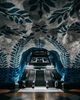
x=54 y=25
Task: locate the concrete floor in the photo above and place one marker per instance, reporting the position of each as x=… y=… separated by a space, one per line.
x=6 y=94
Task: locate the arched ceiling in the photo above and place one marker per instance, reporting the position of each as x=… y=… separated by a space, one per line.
x=54 y=17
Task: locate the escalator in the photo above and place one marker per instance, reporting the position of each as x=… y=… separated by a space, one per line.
x=41 y=70
x=40 y=81
x=31 y=79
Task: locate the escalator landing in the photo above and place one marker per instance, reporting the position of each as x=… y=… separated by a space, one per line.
x=40 y=89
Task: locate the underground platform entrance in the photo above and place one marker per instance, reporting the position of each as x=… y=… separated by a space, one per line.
x=40 y=68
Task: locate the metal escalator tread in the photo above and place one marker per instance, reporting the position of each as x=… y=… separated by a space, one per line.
x=31 y=75
x=40 y=81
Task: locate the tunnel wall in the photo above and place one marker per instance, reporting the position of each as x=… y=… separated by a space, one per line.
x=73 y=73
x=13 y=71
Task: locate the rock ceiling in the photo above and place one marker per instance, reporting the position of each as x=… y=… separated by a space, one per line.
x=60 y=18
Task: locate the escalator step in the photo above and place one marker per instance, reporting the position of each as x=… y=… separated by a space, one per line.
x=40 y=81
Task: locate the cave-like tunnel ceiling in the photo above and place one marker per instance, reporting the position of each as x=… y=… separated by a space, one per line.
x=58 y=18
